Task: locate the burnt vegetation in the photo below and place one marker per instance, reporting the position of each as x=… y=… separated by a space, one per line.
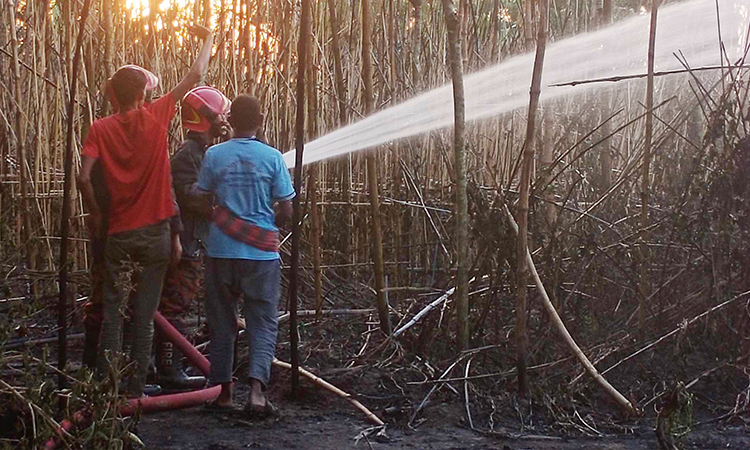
x=689 y=268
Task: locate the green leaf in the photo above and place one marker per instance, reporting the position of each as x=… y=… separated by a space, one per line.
x=133 y=438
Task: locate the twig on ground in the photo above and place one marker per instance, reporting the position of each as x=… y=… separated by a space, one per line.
x=424 y=401
x=329 y=387
x=466 y=393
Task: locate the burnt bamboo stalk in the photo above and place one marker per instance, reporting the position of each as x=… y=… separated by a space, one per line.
x=297 y=214
x=340 y=92
x=20 y=123
x=643 y=282
x=372 y=175
x=338 y=73
x=108 y=44
x=251 y=72
x=528 y=30
x=315 y=239
x=312 y=188
x=606 y=154
x=206 y=13
x=62 y=321
x=523 y=202
x=392 y=49
x=459 y=122
x=495 y=27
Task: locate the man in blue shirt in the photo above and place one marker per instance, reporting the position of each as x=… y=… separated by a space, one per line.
x=246 y=178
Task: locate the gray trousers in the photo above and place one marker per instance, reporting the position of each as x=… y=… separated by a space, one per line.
x=149 y=249
x=259 y=283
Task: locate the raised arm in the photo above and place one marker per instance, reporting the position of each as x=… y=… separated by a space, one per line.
x=199 y=66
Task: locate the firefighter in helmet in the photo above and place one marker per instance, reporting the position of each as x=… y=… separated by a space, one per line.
x=203 y=115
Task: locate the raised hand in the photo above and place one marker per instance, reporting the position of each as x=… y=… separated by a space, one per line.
x=199 y=31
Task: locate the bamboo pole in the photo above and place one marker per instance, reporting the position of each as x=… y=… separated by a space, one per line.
x=373 y=176
x=297 y=215
x=312 y=183
x=523 y=202
x=643 y=281
x=462 y=212
x=62 y=318
x=338 y=73
x=23 y=227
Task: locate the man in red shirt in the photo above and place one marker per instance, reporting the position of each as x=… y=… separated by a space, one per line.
x=131 y=146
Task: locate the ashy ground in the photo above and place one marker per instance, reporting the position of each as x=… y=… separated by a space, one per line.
x=321 y=420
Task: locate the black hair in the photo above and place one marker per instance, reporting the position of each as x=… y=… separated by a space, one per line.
x=128 y=84
x=245 y=113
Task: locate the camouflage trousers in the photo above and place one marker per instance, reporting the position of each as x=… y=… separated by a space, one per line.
x=182 y=286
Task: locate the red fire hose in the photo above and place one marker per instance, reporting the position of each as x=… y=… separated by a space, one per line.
x=155 y=404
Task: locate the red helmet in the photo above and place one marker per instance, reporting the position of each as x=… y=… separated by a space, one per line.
x=201 y=106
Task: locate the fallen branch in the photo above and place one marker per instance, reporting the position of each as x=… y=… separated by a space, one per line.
x=329 y=387
x=608 y=388
x=424 y=311
x=30 y=342
x=427 y=309
x=327 y=312
x=644 y=75
x=445 y=374
x=679 y=328
x=466 y=394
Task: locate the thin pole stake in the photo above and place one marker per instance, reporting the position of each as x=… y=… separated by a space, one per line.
x=62 y=321
x=299 y=145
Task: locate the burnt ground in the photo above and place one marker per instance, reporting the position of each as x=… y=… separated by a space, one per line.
x=306 y=427
x=323 y=421
x=391 y=383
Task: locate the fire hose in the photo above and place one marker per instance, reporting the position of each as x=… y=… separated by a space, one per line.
x=154 y=404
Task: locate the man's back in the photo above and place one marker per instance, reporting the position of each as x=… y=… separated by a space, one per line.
x=132 y=149
x=247 y=177
x=194 y=209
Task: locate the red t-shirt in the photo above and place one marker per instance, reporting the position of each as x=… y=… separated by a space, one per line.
x=132 y=149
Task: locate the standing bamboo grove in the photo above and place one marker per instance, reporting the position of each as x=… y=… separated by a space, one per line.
x=592 y=268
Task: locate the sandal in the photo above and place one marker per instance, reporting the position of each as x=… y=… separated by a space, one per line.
x=261 y=412
x=216 y=407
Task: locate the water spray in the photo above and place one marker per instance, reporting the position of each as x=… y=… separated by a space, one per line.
x=616 y=51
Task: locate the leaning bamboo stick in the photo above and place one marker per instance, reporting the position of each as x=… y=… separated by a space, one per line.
x=608 y=388
x=329 y=387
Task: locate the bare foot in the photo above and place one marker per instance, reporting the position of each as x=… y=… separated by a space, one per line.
x=256 y=397
x=224 y=400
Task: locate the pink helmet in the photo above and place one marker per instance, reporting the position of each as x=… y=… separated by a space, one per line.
x=201 y=106
x=151 y=80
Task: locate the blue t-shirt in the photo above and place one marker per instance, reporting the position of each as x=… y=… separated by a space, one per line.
x=246 y=176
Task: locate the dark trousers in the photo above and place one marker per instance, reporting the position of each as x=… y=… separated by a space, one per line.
x=135 y=260
x=259 y=284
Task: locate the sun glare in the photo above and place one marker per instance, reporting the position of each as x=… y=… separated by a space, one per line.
x=142 y=8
